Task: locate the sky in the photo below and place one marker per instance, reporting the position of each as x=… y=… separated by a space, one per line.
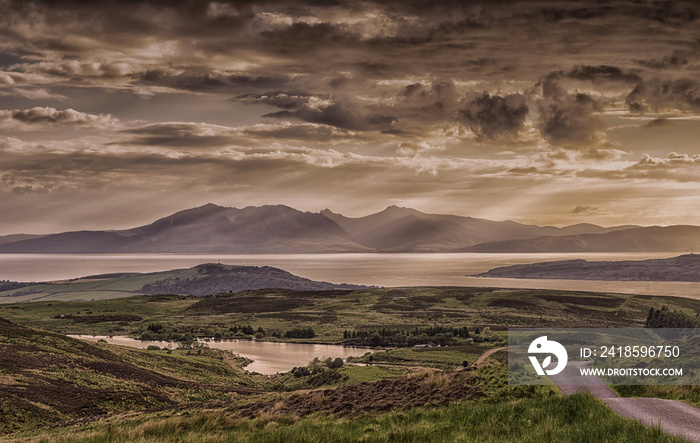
x=116 y=113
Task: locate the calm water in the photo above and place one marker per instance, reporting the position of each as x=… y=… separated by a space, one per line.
x=367 y=269
x=268 y=357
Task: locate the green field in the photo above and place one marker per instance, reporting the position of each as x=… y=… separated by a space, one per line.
x=330 y=313
x=102 y=288
x=59 y=389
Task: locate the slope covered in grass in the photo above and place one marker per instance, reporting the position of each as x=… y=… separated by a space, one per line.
x=47 y=378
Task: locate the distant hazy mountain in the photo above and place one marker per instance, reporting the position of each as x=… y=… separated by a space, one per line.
x=207 y=229
x=398 y=229
x=17 y=237
x=682 y=268
x=281 y=229
x=648 y=239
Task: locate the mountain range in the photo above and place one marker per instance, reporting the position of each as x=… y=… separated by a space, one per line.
x=281 y=229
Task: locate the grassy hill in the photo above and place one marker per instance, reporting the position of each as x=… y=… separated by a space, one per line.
x=208 y=278
x=47 y=377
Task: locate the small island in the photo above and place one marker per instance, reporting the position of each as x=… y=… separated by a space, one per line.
x=684 y=268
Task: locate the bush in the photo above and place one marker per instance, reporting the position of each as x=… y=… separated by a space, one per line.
x=152 y=348
x=665 y=318
x=335 y=363
x=301 y=372
x=155 y=327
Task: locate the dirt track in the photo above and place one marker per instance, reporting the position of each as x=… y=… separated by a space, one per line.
x=673 y=416
x=486 y=354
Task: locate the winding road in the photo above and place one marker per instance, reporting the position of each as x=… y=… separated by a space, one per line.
x=486 y=354
x=674 y=417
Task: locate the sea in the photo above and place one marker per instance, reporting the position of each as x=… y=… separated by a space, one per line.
x=384 y=270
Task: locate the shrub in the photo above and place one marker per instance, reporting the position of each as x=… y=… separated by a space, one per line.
x=335 y=363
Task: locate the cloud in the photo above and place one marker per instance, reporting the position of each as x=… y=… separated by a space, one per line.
x=181 y=135
x=665 y=95
x=678 y=59
x=494 y=117
x=567 y=119
x=38 y=94
x=675 y=167
x=52 y=116
x=421 y=102
x=300 y=131
x=388 y=99
x=211 y=81
x=342 y=112
x=602 y=73
x=584 y=210
x=672 y=160
x=657 y=123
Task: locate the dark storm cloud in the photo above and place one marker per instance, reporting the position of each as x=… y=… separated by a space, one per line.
x=494 y=117
x=669 y=12
x=567 y=119
x=181 y=135
x=221 y=82
x=428 y=103
x=293 y=100
x=341 y=112
x=602 y=73
x=678 y=59
x=127 y=21
x=663 y=95
x=303 y=37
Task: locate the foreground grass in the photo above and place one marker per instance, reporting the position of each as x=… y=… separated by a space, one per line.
x=688 y=394
x=578 y=417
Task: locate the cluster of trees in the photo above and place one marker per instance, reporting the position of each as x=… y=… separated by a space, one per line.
x=665 y=318
x=6 y=285
x=188 y=334
x=436 y=335
x=300 y=333
x=317 y=366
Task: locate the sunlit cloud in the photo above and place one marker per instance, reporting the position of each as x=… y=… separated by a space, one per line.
x=487 y=109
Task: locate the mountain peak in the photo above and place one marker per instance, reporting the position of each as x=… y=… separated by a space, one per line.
x=210 y=206
x=398 y=210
